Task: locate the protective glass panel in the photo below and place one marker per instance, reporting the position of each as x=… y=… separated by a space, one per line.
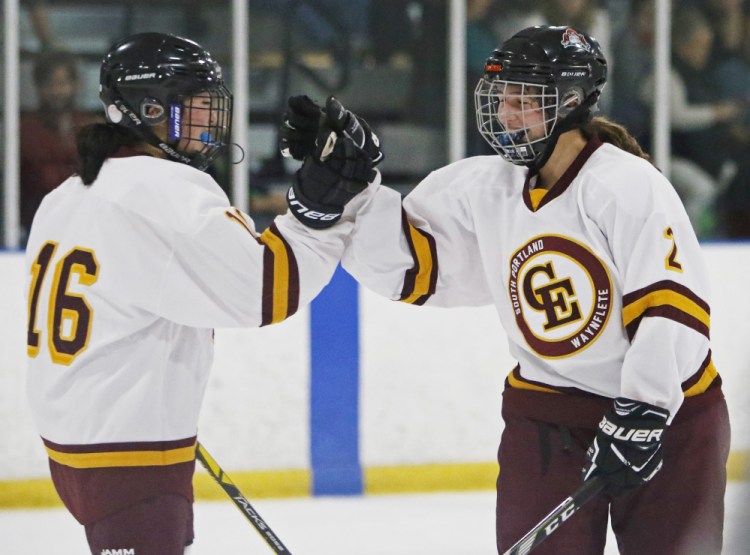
x=385 y=60
x=59 y=75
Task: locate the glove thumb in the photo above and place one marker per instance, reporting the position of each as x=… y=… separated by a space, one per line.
x=343 y=122
x=336 y=115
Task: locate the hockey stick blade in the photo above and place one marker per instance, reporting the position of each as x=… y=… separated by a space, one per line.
x=218 y=474
x=560 y=514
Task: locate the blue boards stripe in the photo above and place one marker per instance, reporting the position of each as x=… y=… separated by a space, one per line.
x=334 y=388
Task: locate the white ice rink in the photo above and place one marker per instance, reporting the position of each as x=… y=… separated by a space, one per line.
x=434 y=524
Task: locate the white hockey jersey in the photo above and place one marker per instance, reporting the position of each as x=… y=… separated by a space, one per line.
x=599 y=284
x=127 y=279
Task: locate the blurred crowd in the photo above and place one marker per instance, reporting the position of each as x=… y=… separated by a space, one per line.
x=710 y=87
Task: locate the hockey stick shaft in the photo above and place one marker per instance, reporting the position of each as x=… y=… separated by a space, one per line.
x=218 y=474
x=560 y=514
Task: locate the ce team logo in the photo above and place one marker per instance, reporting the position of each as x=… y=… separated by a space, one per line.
x=561 y=294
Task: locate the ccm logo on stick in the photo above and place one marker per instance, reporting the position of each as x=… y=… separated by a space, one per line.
x=565 y=515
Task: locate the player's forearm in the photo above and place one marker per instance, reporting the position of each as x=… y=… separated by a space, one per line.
x=377 y=252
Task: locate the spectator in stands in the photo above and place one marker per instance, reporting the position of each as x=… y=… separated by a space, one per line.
x=480 y=39
x=730 y=22
x=39 y=18
x=728 y=19
x=48 y=152
x=706 y=129
x=633 y=107
x=635 y=57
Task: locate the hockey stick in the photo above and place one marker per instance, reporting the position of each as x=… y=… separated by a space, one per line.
x=218 y=474
x=560 y=514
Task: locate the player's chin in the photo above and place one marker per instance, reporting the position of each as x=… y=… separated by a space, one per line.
x=191 y=146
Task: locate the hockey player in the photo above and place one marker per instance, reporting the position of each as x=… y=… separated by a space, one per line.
x=132 y=263
x=588 y=255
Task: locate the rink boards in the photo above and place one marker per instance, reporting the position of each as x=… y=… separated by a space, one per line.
x=357 y=394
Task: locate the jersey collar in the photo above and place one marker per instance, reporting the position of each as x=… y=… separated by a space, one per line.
x=565 y=180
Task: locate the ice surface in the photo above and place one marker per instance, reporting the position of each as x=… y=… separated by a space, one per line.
x=438 y=524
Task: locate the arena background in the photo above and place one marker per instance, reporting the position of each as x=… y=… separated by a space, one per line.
x=355 y=394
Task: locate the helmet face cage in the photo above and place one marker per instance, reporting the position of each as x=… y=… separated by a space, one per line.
x=515 y=118
x=200 y=124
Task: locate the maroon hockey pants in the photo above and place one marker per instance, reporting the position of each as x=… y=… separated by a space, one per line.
x=542 y=452
x=161 y=525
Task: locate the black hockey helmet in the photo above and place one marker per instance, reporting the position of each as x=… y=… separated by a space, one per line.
x=150 y=78
x=558 y=72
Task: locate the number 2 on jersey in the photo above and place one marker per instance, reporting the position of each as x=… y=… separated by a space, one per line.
x=670 y=262
x=69 y=315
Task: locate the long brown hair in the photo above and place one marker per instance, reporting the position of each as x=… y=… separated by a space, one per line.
x=96 y=143
x=613 y=133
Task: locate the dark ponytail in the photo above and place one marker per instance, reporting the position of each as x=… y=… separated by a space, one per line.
x=613 y=133
x=96 y=143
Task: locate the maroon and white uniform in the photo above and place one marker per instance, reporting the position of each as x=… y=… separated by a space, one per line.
x=127 y=279
x=601 y=288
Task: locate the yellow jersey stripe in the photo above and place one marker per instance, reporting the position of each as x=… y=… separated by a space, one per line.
x=521 y=384
x=424 y=261
x=665 y=297
x=123 y=458
x=280 y=275
x=706 y=379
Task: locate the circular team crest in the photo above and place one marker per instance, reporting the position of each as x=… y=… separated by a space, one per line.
x=561 y=294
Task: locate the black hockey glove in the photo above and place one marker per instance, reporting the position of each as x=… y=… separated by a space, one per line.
x=627 y=447
x=323 y=186
x=345 y=122
x=299 y=128
x=305 y=129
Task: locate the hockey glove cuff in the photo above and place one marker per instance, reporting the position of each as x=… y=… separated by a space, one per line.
x=627 y=447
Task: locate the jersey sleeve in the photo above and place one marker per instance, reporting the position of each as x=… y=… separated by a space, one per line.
x=665 y=312
x=421 y=250
x=223 y=273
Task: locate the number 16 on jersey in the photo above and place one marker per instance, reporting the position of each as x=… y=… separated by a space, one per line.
x=69 y=315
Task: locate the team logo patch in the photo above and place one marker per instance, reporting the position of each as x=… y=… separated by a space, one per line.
x=572 y=38
x=561 y=295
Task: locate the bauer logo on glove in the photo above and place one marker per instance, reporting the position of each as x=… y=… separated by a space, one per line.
x=627 y=448
x=629 y=434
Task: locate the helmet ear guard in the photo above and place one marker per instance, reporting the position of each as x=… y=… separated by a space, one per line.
x=569 y=100
x=152 y=111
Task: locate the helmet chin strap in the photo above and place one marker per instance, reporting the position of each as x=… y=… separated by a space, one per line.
x=578 y=117
x=152 y=139
x=197 y=160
